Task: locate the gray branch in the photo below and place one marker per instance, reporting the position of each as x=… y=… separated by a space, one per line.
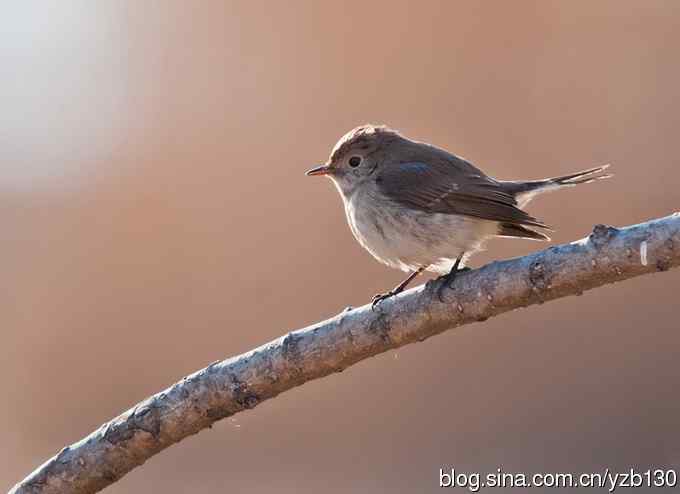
x=227 y=387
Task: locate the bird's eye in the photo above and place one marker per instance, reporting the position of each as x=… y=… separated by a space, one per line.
x=354 y=161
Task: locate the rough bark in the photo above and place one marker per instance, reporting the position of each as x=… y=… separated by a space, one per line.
x=226 y=387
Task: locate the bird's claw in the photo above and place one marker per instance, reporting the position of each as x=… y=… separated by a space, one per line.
x=380 y=297
x=447 y=281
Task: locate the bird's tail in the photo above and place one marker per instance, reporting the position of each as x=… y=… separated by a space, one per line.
x=525 y=191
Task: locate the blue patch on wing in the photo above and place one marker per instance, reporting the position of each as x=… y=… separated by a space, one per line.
x=414 y=166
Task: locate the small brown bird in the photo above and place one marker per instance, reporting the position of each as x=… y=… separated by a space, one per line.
x=417 y=207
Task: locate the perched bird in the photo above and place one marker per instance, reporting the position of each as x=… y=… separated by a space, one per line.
x=416 y=207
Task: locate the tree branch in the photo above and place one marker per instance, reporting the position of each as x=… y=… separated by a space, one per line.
x=226 y=387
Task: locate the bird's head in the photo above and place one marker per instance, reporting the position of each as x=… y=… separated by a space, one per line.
x=356 y=156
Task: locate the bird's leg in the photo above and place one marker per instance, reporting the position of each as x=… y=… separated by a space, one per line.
x=447 y=279
x=397 y=289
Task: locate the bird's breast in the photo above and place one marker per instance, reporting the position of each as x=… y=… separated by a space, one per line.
x=406 y=238
x=388 y=231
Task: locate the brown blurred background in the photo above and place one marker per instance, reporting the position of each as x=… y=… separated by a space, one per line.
x=155 y=218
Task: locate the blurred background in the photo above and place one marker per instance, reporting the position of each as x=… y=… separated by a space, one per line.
x=155 y=218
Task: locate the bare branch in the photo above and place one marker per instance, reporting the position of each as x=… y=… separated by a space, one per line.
x=224 y=388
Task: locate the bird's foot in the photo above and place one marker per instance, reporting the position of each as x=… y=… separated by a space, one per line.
x=380 y=297
x=448 y=279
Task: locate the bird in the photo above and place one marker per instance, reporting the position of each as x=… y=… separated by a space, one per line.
x=417 y=207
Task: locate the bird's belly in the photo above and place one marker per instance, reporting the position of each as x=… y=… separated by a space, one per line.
x=408 y=239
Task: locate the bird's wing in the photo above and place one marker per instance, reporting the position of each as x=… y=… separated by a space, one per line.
x=451 y=186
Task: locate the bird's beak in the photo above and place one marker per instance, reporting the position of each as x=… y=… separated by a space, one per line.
x=319 y=170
